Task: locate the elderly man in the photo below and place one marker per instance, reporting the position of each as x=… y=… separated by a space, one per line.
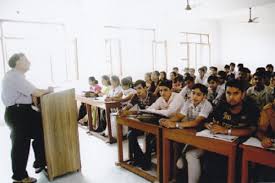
x=24 y=122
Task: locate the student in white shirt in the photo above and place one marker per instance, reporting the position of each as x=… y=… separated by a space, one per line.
x=127 y=91
x=186 y=91
x=168 y=102
x=115 y=93
x=192 y=114
x=202 y=77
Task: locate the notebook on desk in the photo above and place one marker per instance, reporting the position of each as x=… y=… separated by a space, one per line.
x=207 y=133
x=149 y=117
x=252 y=141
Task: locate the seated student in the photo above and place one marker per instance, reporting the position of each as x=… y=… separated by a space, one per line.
x=215 y=91
x=192 y=72
x=106 y=82
x=169 y=102
x=127 y=91
x=178 y=75
x=244 y=76
x=176 y=83
x=213 y=71
x=266 y=127
x=154 y=86
x=260 y=93
x=162 y=76
x=186 y=91
x=115 y=92
x=272 y=81
x=226 y=69
x=95 y=89
x=237 y=115
x=148 y=81
x=221 y=79
x=142 y=99
x=202 y=77
x=192 y=114
x=266 y=134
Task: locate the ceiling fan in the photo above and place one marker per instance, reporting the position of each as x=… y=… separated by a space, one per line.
x=188 y=7
x=252 y=20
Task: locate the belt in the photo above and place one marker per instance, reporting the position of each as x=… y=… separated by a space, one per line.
x=20 y=106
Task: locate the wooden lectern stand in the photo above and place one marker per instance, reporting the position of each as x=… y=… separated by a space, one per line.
x=59 y=114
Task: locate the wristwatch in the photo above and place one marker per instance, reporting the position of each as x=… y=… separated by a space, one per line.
x=229 y=131
x=177 y=125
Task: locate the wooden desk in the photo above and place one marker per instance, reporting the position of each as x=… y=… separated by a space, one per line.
x=101 y=104
x=146 y=127
x=256 y=155
x=188 y=136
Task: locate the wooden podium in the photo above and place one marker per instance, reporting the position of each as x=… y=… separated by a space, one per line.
x=59 y=114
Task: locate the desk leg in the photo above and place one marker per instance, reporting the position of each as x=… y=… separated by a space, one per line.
x=166 y=159
x=231 y=167
x=119 y=143
x=159 y=154
x=90 y=117
x=244 y=168
x=109 y=127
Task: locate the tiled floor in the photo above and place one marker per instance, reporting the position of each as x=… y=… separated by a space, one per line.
x=97 y=159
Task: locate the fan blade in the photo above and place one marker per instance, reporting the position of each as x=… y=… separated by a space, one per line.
x=255 y=19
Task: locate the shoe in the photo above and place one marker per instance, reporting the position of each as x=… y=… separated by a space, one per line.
x=26 y=180
x=39 y=169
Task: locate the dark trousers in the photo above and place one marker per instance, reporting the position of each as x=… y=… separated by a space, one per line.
x=135 y=149
x=25 y=124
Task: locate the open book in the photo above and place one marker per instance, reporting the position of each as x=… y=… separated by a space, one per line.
x=207 y=133
x=252 y=141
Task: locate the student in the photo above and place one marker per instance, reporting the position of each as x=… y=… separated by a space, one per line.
x=192 y=114
x=192 y=72
x=232 y=69
x=272 y=81
x=115 y=92
x=106 y=82
x=227 y=69
x=237 y=115
x=127 y=91
x=266 y=127
x=269 y=68
x=266 y=134
x=260 y=93
x=244 y=76
x=202 y=78
x=215 y=91
x=169 y=102
x=142 y=99
x=213 y=71
x=178 y=75
x=94 y=87
x=221 y=78
x=186 y=91
x=176 y=84
x=148 y=81
x=162 y=76
x=154 y=86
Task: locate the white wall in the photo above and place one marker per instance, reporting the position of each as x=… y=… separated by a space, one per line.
x=251 y=44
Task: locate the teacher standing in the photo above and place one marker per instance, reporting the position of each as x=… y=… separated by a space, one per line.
x=24 y=122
